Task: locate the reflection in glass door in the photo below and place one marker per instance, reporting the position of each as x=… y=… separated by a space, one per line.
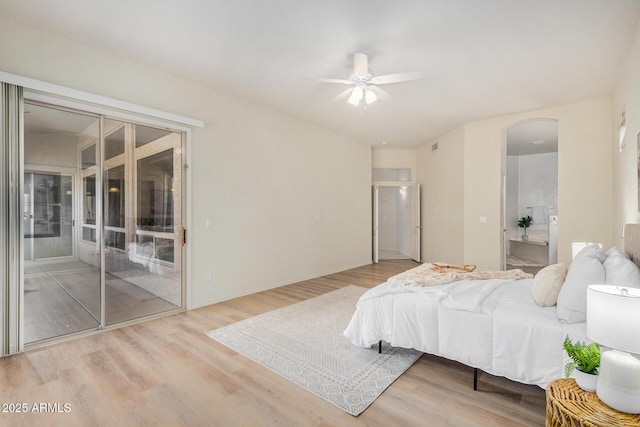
x=143 y=212
x=48 y=216
x=61 y=276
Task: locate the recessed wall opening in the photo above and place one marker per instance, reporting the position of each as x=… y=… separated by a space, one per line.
x=530 y=195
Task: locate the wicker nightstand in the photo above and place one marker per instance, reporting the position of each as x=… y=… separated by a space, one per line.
x=569 y=405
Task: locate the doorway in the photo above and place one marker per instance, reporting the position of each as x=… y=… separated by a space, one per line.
x=530 y=195
x=48 y=215
x=396 y=222
x=102 y=221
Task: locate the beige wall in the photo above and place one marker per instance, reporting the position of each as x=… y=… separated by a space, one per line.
x=584 y=179
x=288 y=200
x=441 y=175
x=625 y=164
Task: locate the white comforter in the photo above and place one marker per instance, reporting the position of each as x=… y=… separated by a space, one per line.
x=493 y=325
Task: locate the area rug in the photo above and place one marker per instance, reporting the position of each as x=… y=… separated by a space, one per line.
x=303 y=342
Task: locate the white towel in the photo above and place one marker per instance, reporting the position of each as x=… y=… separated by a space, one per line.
x=539 y=214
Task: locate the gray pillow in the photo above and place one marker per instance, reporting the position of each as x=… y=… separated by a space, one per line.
x=614 y=251
x=591 y=250
x=572 y=300
x=621 y=271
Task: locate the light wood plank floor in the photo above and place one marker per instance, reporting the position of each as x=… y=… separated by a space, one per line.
x=168 y=372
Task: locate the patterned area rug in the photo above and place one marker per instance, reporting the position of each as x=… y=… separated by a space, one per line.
x=303 y=342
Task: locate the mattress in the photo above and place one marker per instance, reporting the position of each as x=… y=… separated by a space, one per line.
x=493 y=325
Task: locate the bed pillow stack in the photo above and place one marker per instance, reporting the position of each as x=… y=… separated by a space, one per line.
x=547 y=284
x=586 y=269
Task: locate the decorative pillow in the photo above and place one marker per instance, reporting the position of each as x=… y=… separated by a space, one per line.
x=547 y=284
x=592 y=250
x=572 y=300
x=621 y=271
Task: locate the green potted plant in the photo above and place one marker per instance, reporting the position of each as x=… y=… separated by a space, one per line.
x=525 y=222
x=585 y=361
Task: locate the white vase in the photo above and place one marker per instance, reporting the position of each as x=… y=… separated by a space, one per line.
x=587 y=382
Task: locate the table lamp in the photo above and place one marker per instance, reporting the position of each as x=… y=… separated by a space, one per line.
x=613 y=320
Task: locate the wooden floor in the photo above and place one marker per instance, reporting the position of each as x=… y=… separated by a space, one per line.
x=168 y=372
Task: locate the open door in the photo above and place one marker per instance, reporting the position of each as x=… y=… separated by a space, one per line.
x=416 y=225
x=396 y=222
x=374 y=223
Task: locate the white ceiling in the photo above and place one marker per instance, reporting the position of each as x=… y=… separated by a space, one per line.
x=479 y=58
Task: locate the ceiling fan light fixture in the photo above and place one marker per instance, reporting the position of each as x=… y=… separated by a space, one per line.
x=356 y=96
x=370 y=97
x=365 y=86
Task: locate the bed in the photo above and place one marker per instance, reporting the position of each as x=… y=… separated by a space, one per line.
x=509 y=327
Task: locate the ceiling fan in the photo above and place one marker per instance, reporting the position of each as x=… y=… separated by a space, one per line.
x=365 y=90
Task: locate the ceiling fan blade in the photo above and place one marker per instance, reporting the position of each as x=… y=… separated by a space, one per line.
x=341 y=81
x=360 y=64
x=395 y=78
x=381 y=94
x=344 y=95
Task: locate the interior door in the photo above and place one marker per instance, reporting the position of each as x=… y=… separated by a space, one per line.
x=416 y=224
x=374 y=222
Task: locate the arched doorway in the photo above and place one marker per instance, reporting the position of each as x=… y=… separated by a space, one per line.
x=530 y=195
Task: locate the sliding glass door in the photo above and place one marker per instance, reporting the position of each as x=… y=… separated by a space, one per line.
x=61 y=284
x=102 y=221
x=143 y=218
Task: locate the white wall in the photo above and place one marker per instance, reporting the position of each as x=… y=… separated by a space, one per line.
x=625 y=167
x=538 y=181
x=538 y=186
x=388 y=218
x=512 y=190
x=51 y=150
x=441 y=176
x=289 y=200
x=394 y=220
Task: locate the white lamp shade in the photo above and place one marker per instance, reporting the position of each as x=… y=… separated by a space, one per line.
x=613 y=317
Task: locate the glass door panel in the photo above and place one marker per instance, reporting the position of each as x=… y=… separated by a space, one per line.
x=61 y=269
x=142 y=214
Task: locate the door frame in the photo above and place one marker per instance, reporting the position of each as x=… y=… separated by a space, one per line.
x=62 y=171
x=413 y=190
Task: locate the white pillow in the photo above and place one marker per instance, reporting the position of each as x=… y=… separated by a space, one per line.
x=621 y=271
x=572 y=300
x=547 y=284
x=591 y=251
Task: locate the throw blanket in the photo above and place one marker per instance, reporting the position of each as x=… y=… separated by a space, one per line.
x=429 y=274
